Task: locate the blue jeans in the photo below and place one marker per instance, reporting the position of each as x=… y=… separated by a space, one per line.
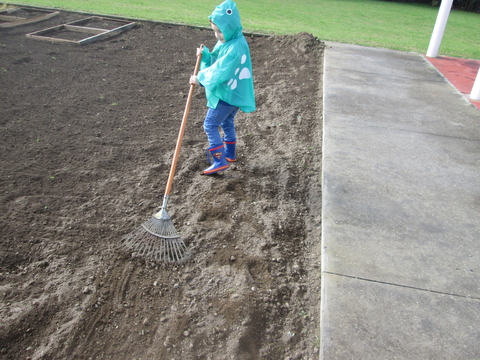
x=223 y=116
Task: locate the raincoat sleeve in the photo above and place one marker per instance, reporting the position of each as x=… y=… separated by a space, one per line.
x=220 y=72
x=207 y=58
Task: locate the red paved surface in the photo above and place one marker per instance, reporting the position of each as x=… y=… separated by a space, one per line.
x=460 y=72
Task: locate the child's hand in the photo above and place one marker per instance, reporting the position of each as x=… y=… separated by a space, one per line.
x=194 y=80
x=199 y=50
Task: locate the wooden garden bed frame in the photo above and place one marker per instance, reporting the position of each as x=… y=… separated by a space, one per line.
x=76 y=26
x=11 y=20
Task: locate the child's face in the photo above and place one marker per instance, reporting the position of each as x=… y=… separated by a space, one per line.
x=218 y=33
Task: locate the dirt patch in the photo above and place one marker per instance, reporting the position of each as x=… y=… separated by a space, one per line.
x=87 y=137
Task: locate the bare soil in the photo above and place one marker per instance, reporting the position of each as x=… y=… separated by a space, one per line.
x=87 y=137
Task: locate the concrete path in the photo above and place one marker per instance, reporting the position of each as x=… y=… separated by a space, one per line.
x=401 y=210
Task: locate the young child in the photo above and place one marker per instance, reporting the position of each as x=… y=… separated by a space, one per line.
x=226 y=75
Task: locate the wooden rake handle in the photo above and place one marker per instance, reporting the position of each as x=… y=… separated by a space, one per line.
x=182 y=131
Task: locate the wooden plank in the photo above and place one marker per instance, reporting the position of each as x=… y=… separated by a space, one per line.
x=10 y=18
x=46 y=31
x=9 y=11
x=24 y=21
x=81 y=21
x=41 y=37
x=106 y=34
x=84 y=29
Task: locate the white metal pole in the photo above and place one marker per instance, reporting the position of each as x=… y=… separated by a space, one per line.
x=475 y=94
x=439 y=28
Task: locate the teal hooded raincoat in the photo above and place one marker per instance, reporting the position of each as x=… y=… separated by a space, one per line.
x=226 y=71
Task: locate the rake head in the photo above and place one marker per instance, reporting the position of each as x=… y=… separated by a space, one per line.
x=158 y=240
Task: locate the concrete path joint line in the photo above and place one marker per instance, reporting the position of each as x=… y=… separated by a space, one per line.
x=411 y=132
x=392 y=76
x=402 y=286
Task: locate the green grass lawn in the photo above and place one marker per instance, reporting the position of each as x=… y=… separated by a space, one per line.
x=392 y=25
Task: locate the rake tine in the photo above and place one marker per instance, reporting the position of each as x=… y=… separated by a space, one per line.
x=183 y=249
x=146 y=249
x=174 y=251
x=163 y=254
x=177 y=251
x=170 y=251
x=158 y=254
